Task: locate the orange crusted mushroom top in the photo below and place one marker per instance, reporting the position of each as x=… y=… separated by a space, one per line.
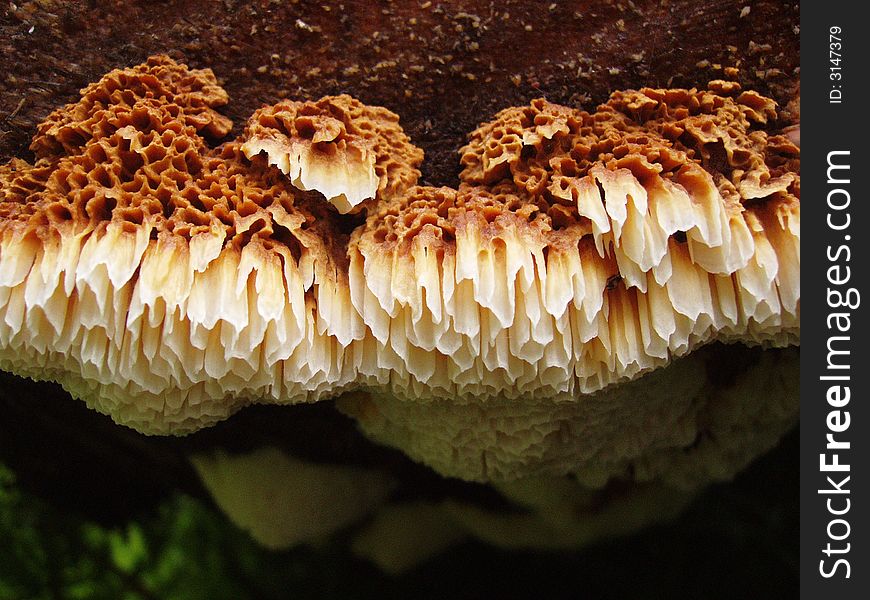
x=168 y=284
x=347 y=151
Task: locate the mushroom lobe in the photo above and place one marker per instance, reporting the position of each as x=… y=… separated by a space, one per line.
x=347 y=151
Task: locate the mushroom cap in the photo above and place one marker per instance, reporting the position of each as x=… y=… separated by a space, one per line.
x=347 y=151
x=168 y=284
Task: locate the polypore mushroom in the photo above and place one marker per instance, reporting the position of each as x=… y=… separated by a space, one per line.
x=582 y=250
x=508 y=328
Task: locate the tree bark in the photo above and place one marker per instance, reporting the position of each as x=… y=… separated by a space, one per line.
x=442 y=66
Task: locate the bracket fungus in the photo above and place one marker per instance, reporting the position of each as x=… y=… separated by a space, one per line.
x=557 y=313
x=347 y=151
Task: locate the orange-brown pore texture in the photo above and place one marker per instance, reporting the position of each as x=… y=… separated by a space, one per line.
x=340 y=140
x=168 y=283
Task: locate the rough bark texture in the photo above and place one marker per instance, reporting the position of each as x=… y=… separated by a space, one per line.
x=442 y=66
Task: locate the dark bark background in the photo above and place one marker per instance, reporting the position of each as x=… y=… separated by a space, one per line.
x=443 y=67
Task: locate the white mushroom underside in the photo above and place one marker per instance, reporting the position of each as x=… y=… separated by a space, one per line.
x=345 y=179
x=672 y=426
x=169 y=337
